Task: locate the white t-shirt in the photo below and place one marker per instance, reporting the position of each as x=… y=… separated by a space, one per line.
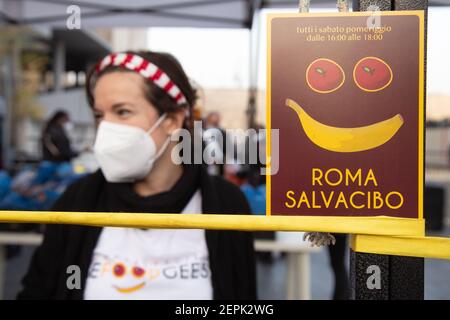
x=151 y=264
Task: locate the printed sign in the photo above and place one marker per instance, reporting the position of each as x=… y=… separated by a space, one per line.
x=347 y=97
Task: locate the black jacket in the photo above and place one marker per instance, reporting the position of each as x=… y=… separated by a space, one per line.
x=231 y=253
x=56 y=145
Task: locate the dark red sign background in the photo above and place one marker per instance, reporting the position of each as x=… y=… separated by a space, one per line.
x=395 y=163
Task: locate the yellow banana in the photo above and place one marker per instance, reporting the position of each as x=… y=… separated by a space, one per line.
x=347 y=139
x=130 y=289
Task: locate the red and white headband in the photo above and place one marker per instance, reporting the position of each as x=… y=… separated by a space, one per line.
x=145 y=68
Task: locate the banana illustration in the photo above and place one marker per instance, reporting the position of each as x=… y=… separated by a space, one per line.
x=347 y=139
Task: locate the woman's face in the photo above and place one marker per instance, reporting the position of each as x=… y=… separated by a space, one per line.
x=119 y=98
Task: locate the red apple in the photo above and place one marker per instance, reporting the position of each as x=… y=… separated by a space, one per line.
x=324 y=75
x=372 y=74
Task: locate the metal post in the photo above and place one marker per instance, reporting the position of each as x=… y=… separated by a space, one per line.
x=254 y=13
x=59 y=64
x=384 y=277
x=8 y=87
x=12 y=67
x=304 y=283
x=14 y=83
x=363 y=5
x=303 y=6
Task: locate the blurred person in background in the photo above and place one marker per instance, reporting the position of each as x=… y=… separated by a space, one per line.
x=213 y=120
x=337 y=258
x=215 y=141
x=254 y=186
x=140 y=99
x=448 y=156
x=56 y=145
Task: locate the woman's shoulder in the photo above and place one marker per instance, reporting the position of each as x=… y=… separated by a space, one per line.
x=88 y=181
x=224 y=185
x=230 y=195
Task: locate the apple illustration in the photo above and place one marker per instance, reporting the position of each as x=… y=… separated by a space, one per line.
x=324 y=75
x=138 y=272
x=372 y=74
x=119 y=270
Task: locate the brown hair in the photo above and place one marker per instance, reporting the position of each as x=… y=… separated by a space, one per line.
x=154 y=94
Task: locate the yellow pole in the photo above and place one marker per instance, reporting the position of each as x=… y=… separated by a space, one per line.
x=359 y=225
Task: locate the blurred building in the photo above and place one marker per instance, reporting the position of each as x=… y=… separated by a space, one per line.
x=232 y=105
x=438 y=131
x=70 y=54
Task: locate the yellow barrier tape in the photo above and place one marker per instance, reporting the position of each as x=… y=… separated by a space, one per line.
x=362 y=225
x=426 y=247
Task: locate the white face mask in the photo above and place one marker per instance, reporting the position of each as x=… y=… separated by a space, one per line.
x=126 y=153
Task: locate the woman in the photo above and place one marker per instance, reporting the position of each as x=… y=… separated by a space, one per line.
x=55 y=142
x=139 y=100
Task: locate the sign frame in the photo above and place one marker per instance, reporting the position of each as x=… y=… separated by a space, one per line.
x=419 y=221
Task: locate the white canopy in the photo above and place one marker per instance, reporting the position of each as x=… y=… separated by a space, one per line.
x=142 y=13
x=132 y=13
